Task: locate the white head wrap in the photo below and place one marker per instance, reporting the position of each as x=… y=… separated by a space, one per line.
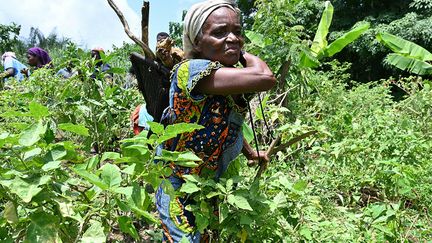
x=8 y=54
x=195 y=18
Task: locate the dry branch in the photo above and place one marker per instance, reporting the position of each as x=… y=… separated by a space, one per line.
x=273 y=150
x=147 y=52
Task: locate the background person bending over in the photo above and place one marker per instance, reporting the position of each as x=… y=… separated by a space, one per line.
x=12 y=67
x=100 y=66
x=206 y=89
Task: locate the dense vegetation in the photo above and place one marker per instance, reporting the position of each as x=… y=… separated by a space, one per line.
x=72 y=171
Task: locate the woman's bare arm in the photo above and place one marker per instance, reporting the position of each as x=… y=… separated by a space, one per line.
x=255 y=77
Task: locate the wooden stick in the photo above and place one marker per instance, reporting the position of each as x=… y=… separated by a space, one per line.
x=147 y=52
x=272 y=150
x=145 y=22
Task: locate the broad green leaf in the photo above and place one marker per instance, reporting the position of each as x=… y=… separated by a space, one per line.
x=255 y=38
x=30 y=154
x=92 y=178
x=349 y=37
x=37 y=110
x=223 y=212
x=239 y=202
x=404 y=47
x=77 y=129
x=308 y=60
x=189 y=164
x=130 y=169
x=111 y=175
x=156 y=128
x=110 y=156
x=300 y=185
x=27 y=189
x=33 y=134
x=245 y=219
x=43 y=228
x=189 y=187
x=247 y=132
x=10 y=213
x=408 y=64
x=126 y=226
x=51 y=165
x=279 y=201
x=57 y=153
x=306 y=233
x=191 y=178
x=201 y=221
x=320 y=40
x=94 y=234
x=176 y=129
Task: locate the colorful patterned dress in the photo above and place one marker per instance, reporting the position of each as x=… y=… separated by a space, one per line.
x=217 y=144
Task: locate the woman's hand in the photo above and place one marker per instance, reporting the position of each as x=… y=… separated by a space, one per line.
x=25 y=71
x=258 y=158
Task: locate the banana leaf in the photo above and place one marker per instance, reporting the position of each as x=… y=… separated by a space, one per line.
x=403 y=47
x=409 y=64
x=341 y=42
x=320 y=40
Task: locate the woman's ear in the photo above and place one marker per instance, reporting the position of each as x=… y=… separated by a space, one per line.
x=197 y=46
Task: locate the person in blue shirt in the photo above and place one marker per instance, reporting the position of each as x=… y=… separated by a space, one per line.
x=12 y=67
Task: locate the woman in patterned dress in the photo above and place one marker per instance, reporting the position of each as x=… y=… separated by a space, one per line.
x=207 y=89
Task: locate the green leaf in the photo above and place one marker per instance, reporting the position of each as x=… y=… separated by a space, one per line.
x=110 y=156
x=37 y=110
x=408 y=64
x=255 y=38
x=94 y=234
x=306 y=233
x=247 y=132
x=10 y=213
x=111 y=175
x=51 y=165
x=92 y=178
x=245 y=219
x=349 y=37
x=176 y=129
x=126 y=226
x=201 y=221
x=189 y=164
x=155 y=127
x=77 y=129
x=191 y=178
x=130 y=169
x=300 y=185
x=30 y=154
x=57 y=153
x=33 y=134
x=239 y=201
x=223 y=212
x=404 y=47
x=320 y=40
x=189 y=187
x=43 y=228
x=26 y=190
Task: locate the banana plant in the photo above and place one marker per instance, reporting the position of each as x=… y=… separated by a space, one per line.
x=407 y=55
x=320 y=48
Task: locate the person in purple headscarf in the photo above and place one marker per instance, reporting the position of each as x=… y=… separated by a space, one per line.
x=38 y=57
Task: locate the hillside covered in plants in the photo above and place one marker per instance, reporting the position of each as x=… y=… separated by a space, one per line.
x=352 y=75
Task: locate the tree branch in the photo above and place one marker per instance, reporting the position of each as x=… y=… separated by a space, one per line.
x=147 y=52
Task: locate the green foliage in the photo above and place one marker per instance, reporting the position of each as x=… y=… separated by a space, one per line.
x=8 y=37
x=408 y=56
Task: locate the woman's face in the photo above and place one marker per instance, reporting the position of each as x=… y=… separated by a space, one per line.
x=32 y=60
x=221 y=38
